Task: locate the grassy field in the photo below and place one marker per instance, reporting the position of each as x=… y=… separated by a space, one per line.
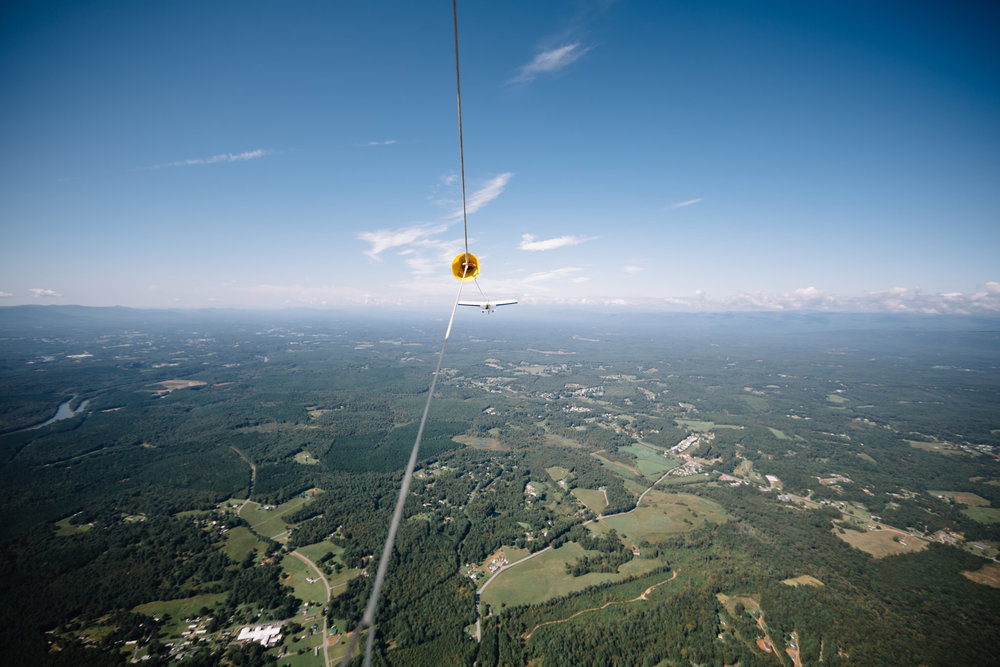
x=988 y=575
x=64 y=527
x=756 y=402
x=298 y=575
x=179 y=610
x=703 y=426
x=662 y=514
x=881 y=543
x=836 y=398
x=936 y=447
x=803 y=580
x=240 y=541
x=615 y=466
x=544 y=577
x=593 y=499
x=649 y=460
x=479 y=442
x=780 y=435
x=962 y=498
x=557 y=473
x=305 y=458
x=553 y=439
x=983 y=514
x=316 y=551
x=269 y=522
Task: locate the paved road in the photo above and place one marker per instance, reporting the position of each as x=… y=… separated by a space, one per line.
x=326 y=584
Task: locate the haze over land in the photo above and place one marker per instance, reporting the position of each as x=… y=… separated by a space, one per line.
x=719 y=488
x=707 y=157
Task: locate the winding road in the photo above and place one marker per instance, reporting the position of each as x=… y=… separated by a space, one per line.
x=326 y=584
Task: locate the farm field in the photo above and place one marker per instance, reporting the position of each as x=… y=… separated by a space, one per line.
x=983 y=514
x=961 y=497
x=298 y=575
x=592 y=498
x=240 y=541
x=179 y=610
x=649 y=460
x=268 y=522
x=544 y=577
x=882 y=543
x=662 y=514
x=803 y=580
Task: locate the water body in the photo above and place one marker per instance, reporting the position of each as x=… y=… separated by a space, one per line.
x=64 y=412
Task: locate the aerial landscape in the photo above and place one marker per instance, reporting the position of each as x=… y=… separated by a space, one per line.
x=728 y=391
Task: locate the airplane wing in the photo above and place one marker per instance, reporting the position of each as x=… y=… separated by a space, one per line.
x=505 y=302
x=474 y=304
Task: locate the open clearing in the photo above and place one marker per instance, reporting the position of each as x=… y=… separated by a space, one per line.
x=479 y=442
x=882 y=543
x=703 y=426
x=662 y=514
x=557 y=473
x=983 y=514
x=305 y=458
x=936 y=447
x=544 y=577
x=268 y=522
x=780 y=435
x=962 y=498
x=594 y=500
x=174 y=385
x=649 y=460
x=803 y=580
x=180 y=610
x=836 y=398
x=240 y=541
x=616 y=466
x=298 y=578
x=988 y=575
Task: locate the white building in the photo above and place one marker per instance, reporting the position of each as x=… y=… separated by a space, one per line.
x=266 y=635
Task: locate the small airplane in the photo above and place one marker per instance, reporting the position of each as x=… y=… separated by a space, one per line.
x=488 y=306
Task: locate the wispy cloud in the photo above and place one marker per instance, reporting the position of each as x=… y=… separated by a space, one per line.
x=42 y=293
x=899 y=300
x=484 y=195
x=4 y=294
x=528 y=242
x=631 y=269
x=387 y=142
x=384 y=239
x=682 y=204
x=549 y=61
x=215 y=159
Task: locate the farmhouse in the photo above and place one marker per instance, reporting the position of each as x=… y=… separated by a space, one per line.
x=266 y=635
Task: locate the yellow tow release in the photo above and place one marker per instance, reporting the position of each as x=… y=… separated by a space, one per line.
x=465 y=266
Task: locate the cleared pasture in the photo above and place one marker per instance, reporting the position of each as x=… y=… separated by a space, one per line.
x=882 y=543
x=803 y=580
x=661 y=515
x=544 y=577
x=179 y=610
x=298 y=574
x=983 y=514
x=593 y=499
x=240 y=541
x=962 y=498
x=649 y=460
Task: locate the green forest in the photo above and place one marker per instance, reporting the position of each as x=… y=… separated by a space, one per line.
x=641 y=490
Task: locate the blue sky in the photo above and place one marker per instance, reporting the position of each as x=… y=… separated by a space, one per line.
x=688 y=156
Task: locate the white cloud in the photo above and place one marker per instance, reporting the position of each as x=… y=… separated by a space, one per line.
x=632 y=270
x=5 y=294
x=387 y=142
x=529 y=243
x=385 y=239
x=682 y=204
x=549 y=61
x=565 y=273
x=40 y=293
x=484 y=195
x=215 y=159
